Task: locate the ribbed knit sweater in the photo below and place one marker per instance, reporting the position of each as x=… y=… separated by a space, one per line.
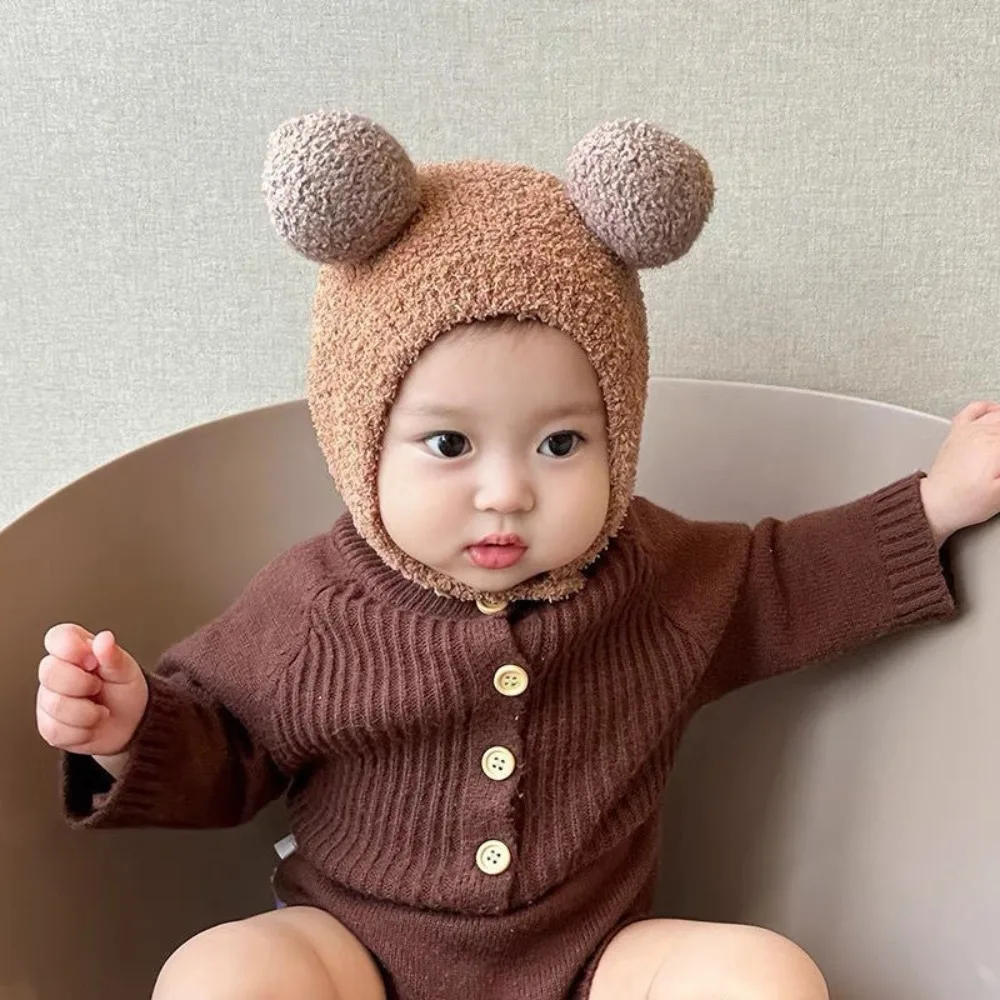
x=371 y=702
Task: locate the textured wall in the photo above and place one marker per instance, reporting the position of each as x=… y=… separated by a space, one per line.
x=855 y=245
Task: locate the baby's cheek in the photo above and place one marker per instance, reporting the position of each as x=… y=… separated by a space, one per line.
x=392 y=509
x=585 y=510
x=415 y=509
x=596 y=516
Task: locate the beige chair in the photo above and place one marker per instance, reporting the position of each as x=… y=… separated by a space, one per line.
x=853 y=806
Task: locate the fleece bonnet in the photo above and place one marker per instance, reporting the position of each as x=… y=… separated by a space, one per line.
x=408 y=253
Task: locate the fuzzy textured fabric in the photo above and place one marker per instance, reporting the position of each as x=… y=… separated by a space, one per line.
x=407 y=256
x=640 y=191
x=338 y=219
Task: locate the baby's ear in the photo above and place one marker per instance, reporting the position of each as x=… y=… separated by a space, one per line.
x=644 y=193
x=338 y=187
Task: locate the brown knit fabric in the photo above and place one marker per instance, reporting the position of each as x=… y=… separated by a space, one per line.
x=484 y=240
x=377 y=696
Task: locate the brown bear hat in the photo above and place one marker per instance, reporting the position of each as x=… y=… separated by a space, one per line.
x=409 y=253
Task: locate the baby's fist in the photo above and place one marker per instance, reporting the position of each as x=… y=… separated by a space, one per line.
x=963 y=485
x=91 y=692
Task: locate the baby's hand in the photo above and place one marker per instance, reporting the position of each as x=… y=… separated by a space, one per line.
x=91 y=693
x=962 y=487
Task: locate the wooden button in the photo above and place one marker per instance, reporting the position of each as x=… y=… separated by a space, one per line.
x=491 y=607
x=511 y=680
x=493 y=857
x=498 y=763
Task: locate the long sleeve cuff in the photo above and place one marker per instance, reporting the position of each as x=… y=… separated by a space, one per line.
x=917 y=581
x=93 y=798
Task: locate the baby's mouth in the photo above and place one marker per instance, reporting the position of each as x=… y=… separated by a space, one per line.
x=497 y=551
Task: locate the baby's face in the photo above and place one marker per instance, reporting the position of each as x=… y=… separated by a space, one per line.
x=494 y=465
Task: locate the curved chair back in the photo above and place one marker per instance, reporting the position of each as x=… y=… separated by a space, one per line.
x=852 y=806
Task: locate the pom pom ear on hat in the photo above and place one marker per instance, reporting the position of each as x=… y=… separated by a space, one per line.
x=338 y=187
x=644 y=193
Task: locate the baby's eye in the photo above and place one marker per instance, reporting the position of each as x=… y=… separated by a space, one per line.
x=448 y=444
x=560 y=445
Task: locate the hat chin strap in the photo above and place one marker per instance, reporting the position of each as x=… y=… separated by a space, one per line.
x=554 y=585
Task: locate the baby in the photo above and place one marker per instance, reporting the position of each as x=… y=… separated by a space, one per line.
x=470 y=690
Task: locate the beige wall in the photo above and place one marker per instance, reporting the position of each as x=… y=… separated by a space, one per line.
x=855 y=245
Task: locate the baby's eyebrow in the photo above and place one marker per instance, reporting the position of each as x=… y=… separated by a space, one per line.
x=588 y=408
x=437 y=410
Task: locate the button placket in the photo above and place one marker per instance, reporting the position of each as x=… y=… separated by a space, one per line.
x=498 y=763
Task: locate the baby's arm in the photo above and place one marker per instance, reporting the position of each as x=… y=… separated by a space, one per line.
x=828 y=582
x=190 y=761
x=195 y=746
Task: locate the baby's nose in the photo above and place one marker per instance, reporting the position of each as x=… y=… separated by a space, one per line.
x=505 y=488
